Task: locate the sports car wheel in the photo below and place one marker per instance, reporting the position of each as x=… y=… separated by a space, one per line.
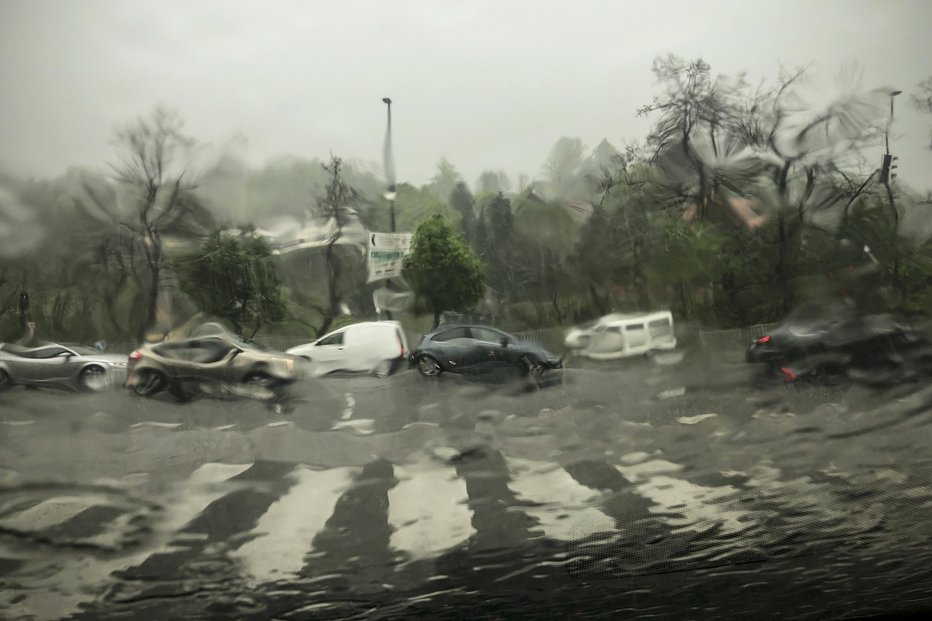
x=150 y=382
x=93 y=379
x=533 y=368
x=261 y=386
x=428 y=366
x=5 y=382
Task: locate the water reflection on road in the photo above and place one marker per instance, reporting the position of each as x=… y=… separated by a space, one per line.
x=658 y=491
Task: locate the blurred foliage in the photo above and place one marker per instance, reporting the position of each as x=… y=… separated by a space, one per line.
x=443 y=271
x=231 y=277
x=741 y=203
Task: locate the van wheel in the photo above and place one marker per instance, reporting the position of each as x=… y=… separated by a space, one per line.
x=383 y=369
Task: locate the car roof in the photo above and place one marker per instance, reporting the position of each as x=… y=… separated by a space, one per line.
x=629 y=317
x=462 y=325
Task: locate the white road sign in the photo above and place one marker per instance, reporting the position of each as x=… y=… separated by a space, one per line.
x=386 y=253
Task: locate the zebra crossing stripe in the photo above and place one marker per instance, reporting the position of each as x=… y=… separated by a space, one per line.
x=50 y=513
x=682 y=504
x=60 y=584
x=286 y=530
x=194 y=494
x=428 y=510
x=567 y=508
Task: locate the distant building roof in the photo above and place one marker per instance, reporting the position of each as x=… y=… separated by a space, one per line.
x=579 y=210
x=289 y=235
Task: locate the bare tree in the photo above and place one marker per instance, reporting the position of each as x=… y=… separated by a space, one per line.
x=153 y=170
x=923 y=99
x=340 y=206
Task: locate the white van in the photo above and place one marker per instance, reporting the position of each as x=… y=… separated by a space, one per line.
x=377 y=347
x=623 y=335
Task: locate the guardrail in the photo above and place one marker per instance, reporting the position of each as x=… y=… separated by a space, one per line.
x=719 y=340
x=548 y=338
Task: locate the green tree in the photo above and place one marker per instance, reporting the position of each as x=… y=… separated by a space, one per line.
x=462 y=201
x=564 y=168
x=923 y=99
x=445 y=179
x=231 y=276
x=442 y=270
x=493 y=182
x=498 y=249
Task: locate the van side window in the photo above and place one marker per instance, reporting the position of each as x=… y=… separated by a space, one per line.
x=614 y=329
x=634 y=326
x=660 y=327
x=333 y=339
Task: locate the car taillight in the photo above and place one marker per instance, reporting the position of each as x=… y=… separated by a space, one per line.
x=136 y=355
x=401 y=345
x=788 y=374
x=762 y=340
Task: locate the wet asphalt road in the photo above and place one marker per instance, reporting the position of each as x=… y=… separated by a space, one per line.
x=406 y=496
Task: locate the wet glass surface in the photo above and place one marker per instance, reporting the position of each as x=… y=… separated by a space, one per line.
x=675 y=491
x=637 y=327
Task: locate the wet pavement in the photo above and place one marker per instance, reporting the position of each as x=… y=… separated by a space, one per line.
x=667 y=488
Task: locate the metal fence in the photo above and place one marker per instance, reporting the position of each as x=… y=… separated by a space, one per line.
x=549 y=338
x=720 y=340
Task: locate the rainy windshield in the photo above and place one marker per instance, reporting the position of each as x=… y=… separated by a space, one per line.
x=486 y=310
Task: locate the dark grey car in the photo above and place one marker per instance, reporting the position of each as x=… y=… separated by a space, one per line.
x=480 y=350
x=62 y=366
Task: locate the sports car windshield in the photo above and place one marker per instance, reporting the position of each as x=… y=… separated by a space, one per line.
x=81 y=350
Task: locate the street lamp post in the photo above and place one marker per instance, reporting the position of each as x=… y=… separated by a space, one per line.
x=389 y=164
x=890 y=122
x=887 y=165
x=886 y=173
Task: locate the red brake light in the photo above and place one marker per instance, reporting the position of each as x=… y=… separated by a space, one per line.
x=763 y=339
x=788 y=374
x=401 y=345
x=136 y=355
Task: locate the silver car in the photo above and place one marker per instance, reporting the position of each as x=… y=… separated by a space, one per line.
x=62 y=366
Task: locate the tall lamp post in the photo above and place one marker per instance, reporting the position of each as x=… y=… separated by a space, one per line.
x=389 y=163
x=886 y=173
x=887 y=165
x=890 y=122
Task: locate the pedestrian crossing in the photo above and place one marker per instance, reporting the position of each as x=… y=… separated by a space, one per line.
x=270 y=522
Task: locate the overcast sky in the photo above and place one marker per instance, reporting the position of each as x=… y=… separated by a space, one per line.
x=488 y=84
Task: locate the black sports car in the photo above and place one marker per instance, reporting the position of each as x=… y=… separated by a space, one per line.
x=872 y=349
x=481 y=349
